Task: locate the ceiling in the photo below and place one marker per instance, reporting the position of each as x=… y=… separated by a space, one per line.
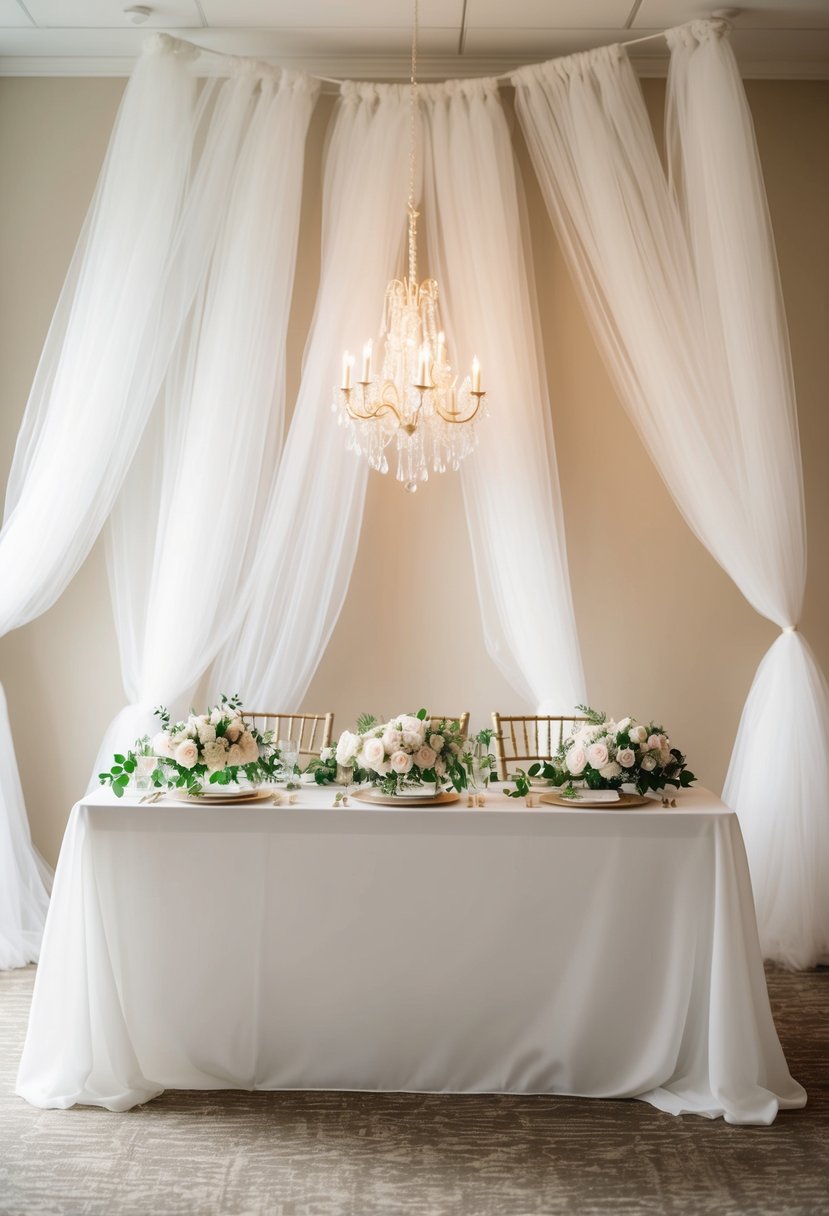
x=370 y=38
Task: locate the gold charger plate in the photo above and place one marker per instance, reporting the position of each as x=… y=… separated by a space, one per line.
x=378 y=799
x=625 y=800
x=237 y=799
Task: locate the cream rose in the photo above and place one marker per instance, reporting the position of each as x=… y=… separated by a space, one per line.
x=597 y=755
x=207 y=731
x=406 y=722
x=187 y=753
x=374 y=754
x=250 y=748
x=638 y=734
x=347 y=745
x=649 y=763
x=161 y=744
x=653 y=744
x=610 y=770
x=425 y=757
x=626 y=756
x=436 y=742
x=401 y=762
x=413 y=739
x=392 y=739
x=576 y=760
x=235 y=755
x=215 y=756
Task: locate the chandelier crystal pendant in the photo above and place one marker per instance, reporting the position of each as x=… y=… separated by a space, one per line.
x=416 y=403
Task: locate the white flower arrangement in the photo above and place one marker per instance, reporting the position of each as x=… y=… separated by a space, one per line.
x=408 y=751
x=603 y=754
x=216 y=748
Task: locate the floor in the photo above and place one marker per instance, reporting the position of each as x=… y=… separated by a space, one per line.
x=330 y=1154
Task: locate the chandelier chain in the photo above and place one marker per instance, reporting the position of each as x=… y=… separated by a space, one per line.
x=412 y=151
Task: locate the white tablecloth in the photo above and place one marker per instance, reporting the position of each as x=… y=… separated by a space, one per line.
x=601 y=953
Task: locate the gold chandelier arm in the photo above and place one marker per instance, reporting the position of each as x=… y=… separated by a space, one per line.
x=459 y=419
x=368 y=415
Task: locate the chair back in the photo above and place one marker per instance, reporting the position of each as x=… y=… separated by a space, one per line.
x=312 y=731
x=522 y=739
x=461 y=719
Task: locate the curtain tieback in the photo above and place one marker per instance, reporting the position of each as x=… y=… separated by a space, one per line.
x=790 y=629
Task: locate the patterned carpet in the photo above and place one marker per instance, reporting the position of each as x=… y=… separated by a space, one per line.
x=330 y=1154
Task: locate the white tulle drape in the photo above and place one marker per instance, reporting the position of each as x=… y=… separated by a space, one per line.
x=87 y=408
x=511 y=489
x=679 y=276
x=185 y=527
x=311 y=525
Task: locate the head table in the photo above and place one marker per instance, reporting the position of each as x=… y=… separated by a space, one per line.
x=602 y=953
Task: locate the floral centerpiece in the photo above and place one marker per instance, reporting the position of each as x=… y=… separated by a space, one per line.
x=405 y=754
x=216 y=748
x=603 y=754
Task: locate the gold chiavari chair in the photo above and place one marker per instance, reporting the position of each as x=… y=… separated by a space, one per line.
x=312 y=732
x=461 y=719
x=523 y=739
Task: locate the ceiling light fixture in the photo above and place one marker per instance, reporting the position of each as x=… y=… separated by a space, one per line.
x=416 y=402
x=138 y=13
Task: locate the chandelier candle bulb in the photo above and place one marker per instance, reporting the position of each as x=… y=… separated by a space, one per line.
x=348 y=363
x=476 y=375
x=367 y=362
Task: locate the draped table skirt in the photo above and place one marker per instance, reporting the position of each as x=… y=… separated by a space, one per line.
x=498 y=950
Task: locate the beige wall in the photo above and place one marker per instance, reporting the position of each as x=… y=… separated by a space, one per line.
x=678 y=643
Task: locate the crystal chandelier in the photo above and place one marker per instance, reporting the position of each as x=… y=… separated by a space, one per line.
x=416 y=404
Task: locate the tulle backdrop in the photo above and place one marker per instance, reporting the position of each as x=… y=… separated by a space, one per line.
x=477 y=109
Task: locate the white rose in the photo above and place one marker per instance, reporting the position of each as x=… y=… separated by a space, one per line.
x=187 y=753
x=597 y=755
x=392 y=739
x=234 y=730
x=626 y=757
x=327 y=753
x=161 y=744
x=214 y=755
x=401 y=762
x=623 y=725
x=347 y=748
x=207 y=732
x=235 y=755
x=374 y=754
x=250 y=748
x=610 y=770
x=406 y=722
x=436 y=742
x=648 y=763
x=638 y=734
x=576 y=760
x=413 y=739
x=425 y=757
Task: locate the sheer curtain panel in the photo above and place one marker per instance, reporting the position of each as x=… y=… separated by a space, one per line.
x=679 y=277
x=186 y=524
x=85 y=414
x=511 y=490
x=308 y=540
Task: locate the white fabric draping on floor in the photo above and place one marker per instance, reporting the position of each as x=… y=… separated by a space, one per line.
x=680 y=280
x=511 y=490
x=599 y=953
